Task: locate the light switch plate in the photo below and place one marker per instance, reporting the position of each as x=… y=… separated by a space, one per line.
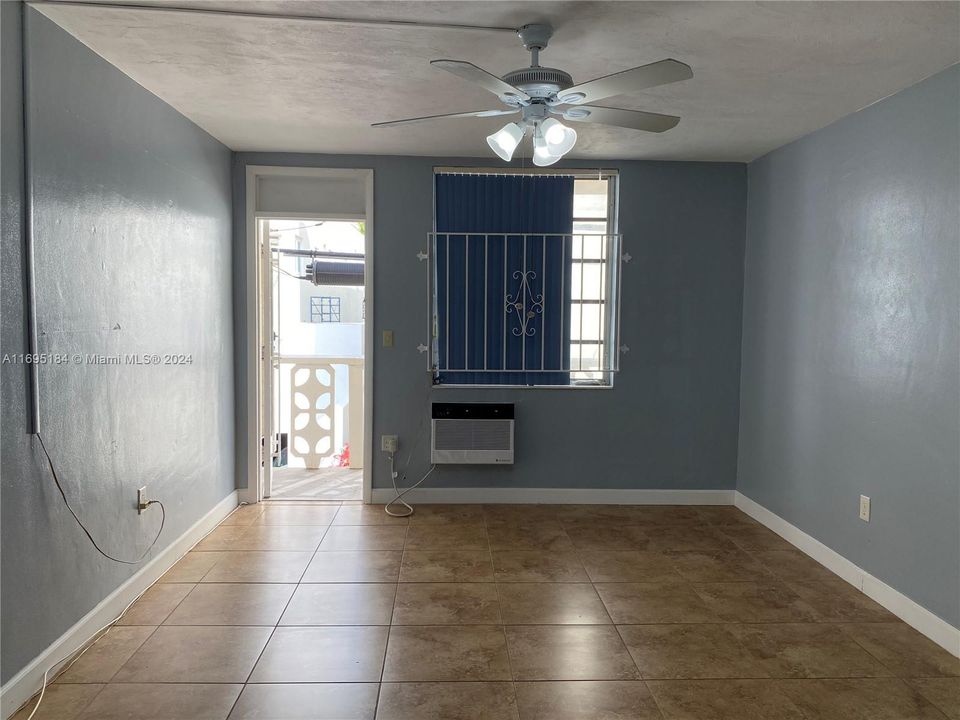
x=865 y=508
x=388 y=338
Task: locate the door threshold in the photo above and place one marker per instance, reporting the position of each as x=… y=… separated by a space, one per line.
x=306 y=501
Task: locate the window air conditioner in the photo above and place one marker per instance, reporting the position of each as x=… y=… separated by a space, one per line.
x=472 y=433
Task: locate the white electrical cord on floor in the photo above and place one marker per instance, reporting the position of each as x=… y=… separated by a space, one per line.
x=86 y=646
x=79 y=652
x=393 y=471
x=399 y=498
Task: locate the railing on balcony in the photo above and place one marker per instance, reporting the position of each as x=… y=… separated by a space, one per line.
x=320 y=406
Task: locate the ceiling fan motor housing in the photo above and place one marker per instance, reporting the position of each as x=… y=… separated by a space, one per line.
x=539 y=82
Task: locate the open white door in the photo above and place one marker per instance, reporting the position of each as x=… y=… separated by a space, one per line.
x=288 y=382
x=269 y=445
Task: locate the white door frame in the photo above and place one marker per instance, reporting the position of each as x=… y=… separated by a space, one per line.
x=253 y=492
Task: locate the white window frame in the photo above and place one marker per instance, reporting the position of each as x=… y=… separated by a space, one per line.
x=607 y=332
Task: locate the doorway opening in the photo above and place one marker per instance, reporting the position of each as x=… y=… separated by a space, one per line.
x=314 y=313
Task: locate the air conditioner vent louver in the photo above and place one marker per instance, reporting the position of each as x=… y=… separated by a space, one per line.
x=472 y=433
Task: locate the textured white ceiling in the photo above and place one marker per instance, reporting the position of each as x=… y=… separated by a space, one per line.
x=764 y=73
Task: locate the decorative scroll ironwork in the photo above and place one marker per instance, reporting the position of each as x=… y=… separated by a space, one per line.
x=518 y=304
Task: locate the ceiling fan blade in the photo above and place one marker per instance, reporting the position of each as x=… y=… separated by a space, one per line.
x=638 y=78
x=477 y=113
x=634 y=119
x=488 y=81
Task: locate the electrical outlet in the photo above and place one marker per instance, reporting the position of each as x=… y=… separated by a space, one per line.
x=388 y=443
x=141 y=500
x=865 y=508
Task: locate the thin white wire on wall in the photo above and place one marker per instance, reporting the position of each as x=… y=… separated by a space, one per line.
x=79 y=652
x=86 y=531
x=398 y=500
x=399 y=495
x=276 y=16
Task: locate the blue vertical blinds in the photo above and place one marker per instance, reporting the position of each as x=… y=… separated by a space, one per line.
x=503 y=297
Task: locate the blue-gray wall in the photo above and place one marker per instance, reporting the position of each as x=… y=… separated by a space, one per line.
x=133 y=250
x=671 y=419
x=849 y=382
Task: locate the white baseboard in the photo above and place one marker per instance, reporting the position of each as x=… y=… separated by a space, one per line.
x=26 y=683
x=912 y=613
x=559 y=496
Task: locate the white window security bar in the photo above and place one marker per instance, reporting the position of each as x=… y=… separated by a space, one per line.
x=585 y=323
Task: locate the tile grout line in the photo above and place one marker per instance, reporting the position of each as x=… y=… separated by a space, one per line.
x=124 y=663
x=386 y=645
x=502 y=625
x=859 y=644
x=653 y=697
x=279 y=618
x=86 y=705
x=182 y=600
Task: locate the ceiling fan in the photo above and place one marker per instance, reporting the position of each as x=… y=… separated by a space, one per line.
x=540 y=93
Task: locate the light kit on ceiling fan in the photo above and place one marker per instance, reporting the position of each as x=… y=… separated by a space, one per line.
x=539 y=93
x=551 y=140
x=559 y=138
x=506 y=140
x=542 y=157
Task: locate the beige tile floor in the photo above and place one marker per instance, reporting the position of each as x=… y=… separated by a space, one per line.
x=329 y=612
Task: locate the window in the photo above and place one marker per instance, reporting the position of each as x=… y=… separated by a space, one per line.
x=524 y=279
x=592 y=207
x=324 y=309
